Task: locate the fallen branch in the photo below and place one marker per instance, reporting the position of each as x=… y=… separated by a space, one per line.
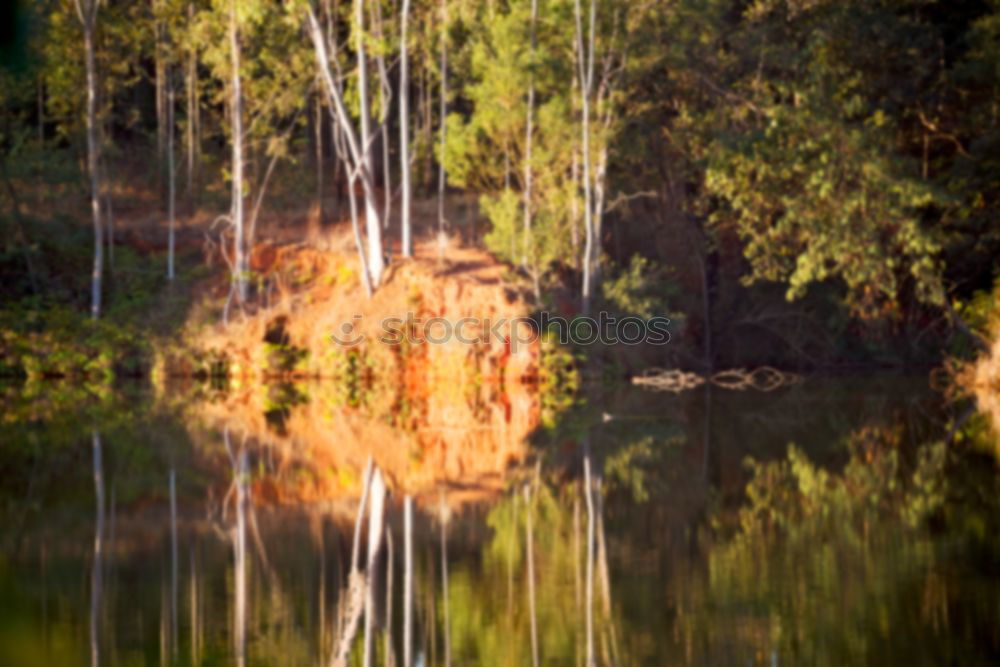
x=765 y=378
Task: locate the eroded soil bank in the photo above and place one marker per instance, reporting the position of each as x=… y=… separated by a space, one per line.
x=287 y=376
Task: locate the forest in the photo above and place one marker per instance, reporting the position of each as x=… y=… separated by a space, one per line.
x=744 y=168
x=719 y=381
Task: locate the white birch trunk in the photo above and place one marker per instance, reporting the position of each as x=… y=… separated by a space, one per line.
x=404 y=134
x=159 y=67
x=385 y=101
x=444 y=117
x=236 y=105
x=171 y=181
x=376 y=263
x=585 y=62
x=356 y=151
x=87 y=13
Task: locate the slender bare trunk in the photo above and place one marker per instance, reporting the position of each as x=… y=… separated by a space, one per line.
x=358 y=151
x=574 y=211
x=530 y=557
x=585 y=63
x=160 y=69
x=404 y=133
x=599 y=191
x=240 y=560
x=385 y=102
x=174 y=578
x=590 y=561
x=96 y=578
x=376 y=524
x=408 y=576
x=87 y=13
x=193 y=609
x=376 y=263
x=444 y=114
x=171 y=181
x=427 y=130
x=236 y=104
x=444 y=584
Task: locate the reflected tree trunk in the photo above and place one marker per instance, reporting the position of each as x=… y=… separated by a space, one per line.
x=193 y=610
x=390 y=654
x=444 y=582
x=376 y=525
x=605 y=575
x=590 y=559
x=408 y=579
x=96 y=578
x=173 y=563
x=241 y=474
x=530 y=557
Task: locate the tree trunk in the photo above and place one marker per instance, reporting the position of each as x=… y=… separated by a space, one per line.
x=96 y=578
x=357 y=151
x=444 y=115
x=161 y=96
x=589 y=609
x=444 y=585
x=236 y=105
x=385 y=101
x=376 y=262
x=408 y=561
x=529 y=548
x=87 y=13
x=585 y=63
x=240 y=474
x=404 y=134
x=174 y=574
x=574 y=212
x=171 y=180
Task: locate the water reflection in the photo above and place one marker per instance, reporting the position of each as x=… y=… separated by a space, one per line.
x=96 y=572
x=632 y=532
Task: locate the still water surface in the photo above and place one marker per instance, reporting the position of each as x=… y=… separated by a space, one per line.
x=835 y=522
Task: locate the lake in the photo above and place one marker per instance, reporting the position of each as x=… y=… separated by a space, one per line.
x=848 y=520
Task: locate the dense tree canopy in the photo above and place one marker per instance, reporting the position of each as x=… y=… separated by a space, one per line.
x=839 y=151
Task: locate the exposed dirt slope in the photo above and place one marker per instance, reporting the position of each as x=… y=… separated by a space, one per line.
x=454 y=413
